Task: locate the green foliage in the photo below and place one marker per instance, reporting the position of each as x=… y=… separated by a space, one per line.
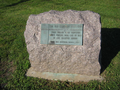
x=14 y=60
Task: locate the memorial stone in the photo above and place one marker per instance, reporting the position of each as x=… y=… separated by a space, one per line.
x=64 y=45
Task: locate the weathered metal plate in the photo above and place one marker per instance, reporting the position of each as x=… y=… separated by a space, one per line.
x=62 y=34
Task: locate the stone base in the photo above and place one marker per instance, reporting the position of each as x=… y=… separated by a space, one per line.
x=62 y=76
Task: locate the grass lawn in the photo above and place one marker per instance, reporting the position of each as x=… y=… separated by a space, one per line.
x=14 y=60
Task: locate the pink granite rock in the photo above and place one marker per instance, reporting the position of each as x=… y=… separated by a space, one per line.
x=71 y=59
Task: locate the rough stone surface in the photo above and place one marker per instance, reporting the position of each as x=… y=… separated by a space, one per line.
x=71 y=59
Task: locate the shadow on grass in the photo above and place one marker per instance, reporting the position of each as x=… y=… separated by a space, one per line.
x=110 y=45
x=14 y=4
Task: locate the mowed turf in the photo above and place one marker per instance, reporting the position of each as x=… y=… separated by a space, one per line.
x=14 y=58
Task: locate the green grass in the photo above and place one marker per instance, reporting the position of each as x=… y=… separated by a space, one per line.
x=14 y=60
